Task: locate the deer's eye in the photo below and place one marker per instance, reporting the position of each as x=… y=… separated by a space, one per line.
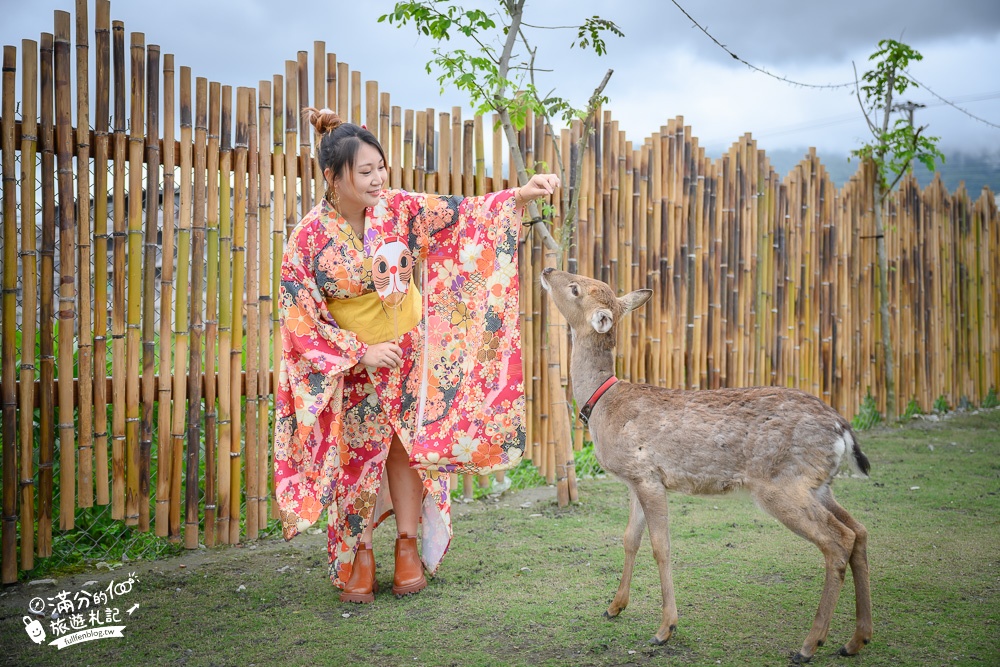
x=574 y=289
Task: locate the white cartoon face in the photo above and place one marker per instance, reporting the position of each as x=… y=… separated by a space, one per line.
x=34 y=629
x=392 y=266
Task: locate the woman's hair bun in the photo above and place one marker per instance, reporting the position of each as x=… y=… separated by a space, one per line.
x=324 y=120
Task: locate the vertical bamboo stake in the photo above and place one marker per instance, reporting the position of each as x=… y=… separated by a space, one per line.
x=264 y=267
x=118 y=281
x=278 y=233
x=182 y=331
x=29 y=311
x=468 y=159
x=252 y=446
x=356 y=98
x=212 y=309
x=149 y=279
x=371 y=108
x=67 y=270
x=331 y=81
x=101 y=119
x=46 y=445
x=164 y=448
x=419 y=151
x=343 y=86
x=431 y=183
x=239 y=271
x=85 y=358
x=291 y=127
x=8 y=551
x=319 y=101
x=197 y=328
x=305 y=160
x=408 y=183
x=134 y=299
x=224 y=461
x=444 y=152
x=395 y=150
x=456 y=151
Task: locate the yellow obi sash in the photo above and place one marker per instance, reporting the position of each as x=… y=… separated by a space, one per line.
x=374 y=322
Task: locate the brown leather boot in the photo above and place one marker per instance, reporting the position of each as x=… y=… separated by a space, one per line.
x=409 y=576
x=361 y=587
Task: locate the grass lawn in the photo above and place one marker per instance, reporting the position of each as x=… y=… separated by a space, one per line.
x=526 y=583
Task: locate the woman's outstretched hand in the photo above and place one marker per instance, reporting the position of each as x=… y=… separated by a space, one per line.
x=538 y=186
x=383 y=355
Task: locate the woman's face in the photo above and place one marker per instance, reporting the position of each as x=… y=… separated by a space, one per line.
x=361 y=188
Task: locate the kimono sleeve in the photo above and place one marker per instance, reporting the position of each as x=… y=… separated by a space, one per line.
x=432 y=220
x=316 y=352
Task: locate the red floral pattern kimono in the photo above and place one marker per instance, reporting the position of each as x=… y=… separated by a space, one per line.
x=460 y=385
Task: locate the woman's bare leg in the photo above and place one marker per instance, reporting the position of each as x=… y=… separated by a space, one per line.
x=405 y=489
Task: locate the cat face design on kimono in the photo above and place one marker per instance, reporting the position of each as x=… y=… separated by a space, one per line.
x=392 y=267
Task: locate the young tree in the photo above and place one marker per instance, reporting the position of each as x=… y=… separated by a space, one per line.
x=496 y=79
x=892 y=150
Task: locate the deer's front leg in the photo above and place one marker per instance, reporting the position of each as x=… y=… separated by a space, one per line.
x=654 y=505
x=633 y=538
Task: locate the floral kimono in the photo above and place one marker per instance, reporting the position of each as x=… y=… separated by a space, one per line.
x=458 y=398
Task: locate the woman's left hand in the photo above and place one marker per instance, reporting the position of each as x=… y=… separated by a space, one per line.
x=538 y=186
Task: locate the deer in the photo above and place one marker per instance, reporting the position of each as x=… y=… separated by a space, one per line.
x=781 y=445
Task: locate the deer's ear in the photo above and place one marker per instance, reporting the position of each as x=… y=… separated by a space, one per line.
x=602 y=320
x=633 y=300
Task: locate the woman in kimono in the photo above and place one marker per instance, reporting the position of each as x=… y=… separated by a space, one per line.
x=384 y=390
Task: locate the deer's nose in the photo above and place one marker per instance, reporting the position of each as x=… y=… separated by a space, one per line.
x=546 y=271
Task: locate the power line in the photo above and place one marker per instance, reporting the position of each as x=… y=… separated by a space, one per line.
x=952 y=104
x=722 y=46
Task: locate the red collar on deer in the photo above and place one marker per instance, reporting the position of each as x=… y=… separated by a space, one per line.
x=588 y=407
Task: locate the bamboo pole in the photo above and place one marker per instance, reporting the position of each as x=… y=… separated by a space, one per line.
x=224 y=463
x=252 y=444
x=118 y=281
x=182 y=330
x=419 y=151
x=264 y=299
x=278 y=232
x=149 y=279
x=67 y=270
x=305 y=159
x=343 y=88
x=197 y=328
x=371 y=108
x=395 y=150
x=165 y=441
x=101 y=125
x=212 y=308
x=46 y=357
x=431 y=182
x=85 y=344
x=239 y=271
x=408 y=183
x=29 y=310
x=8 y=551
x=356 y=98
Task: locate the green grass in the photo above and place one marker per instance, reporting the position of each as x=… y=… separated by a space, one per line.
x=528 y=585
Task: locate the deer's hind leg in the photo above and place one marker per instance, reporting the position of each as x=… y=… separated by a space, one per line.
x=859 y=572
x=633 y=538
x=799 y=508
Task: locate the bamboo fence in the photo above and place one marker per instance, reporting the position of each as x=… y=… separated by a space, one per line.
x=758 y=279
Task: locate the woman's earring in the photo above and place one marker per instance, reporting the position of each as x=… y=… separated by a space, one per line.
x=332 y=198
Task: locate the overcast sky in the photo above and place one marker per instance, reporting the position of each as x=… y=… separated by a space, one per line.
x=663 y=66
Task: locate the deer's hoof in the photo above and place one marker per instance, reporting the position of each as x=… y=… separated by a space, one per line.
x=799 y=659
x=656 y=641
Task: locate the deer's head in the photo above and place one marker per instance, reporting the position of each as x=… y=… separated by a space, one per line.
x=589 y=304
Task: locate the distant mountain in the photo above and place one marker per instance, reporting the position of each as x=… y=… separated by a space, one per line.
x=975 y=170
